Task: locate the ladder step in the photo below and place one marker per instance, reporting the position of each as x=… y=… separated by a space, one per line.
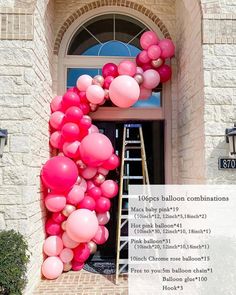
x=133 y=177
x=132 y=141
x=132 y=125
x=124 y=239
x=133 y=147
x=133 y=159
x=123 y=261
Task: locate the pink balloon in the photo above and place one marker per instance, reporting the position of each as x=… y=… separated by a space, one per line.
x=76 y=266
x=95 y=192
x=84 y=82
x=167 y=48
x=146 y=67
x=56 y=104
x=87 y=203
x=81 y=253
x=112 y=163
x=103 y=218
x=85 y=108
x=83 y=184
x=144 y=57
x=139 y=70
x=90 y=185
x=83 y=98
x=66 y=255
x=145 y=93
x=75 y=195
x=88 y=172
x=59 y=173
x=107 y=82
x=85 y=122
x=56 y=140
x=103 y=171
x=70 y=99
x=93 y=129
x=109 y=188
x=148 y=38
x=52 y=268
x=68 y=242
x=52 y=228
x=151 y=79
x=55 y=202
x=102 y=205
x=124 y=91
x=165 y=73
x=127 y=67
x=74 y=89
x=52 y=246
x=95 y=148
x=101 y=235
x=70 y=131
x=73 y=114
x=58 y=217
x=71 y=149
x=154 y=52
x=57 y=120
x=95 y=94
x=81 y=225
x=110 y=69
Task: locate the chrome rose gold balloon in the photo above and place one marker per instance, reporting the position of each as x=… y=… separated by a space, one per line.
x=139 y=78
x=106 y=94
x=92 y=247
x=157 y=62
x=68 y=210
x=98 y=80
x=63 y=225
x=93 y=107
x=99 y=179
x=80 y=164
x=67 y=266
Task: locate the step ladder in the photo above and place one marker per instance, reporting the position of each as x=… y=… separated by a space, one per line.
x=127 y=160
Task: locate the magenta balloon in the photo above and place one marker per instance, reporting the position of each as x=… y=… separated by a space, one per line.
x=59 y=173
x=52 y=268
x=56 y=140
x=76 y=266
x=154 y=52
x=57 y=120
x=70 y=131
x=110 y=69
x=143 y=57
x=73 y=114
x=109 y=188
x=107 y=81
x=124 y=91
x=95 y=94
x=165 y=73
x=81 y=225
x=95 y=192
x=84 y=82
x=87 y=203
x=112 y=163
x=151 y=79
x=127 y=67
x=101 y=235
x=52 y=246
x=95 y=148
x=70 y=99
x=167 y=48
x=102 y=205
x=148 y=38
x=55 y=202
x=56 y=104
x=145 y=93
x=75 y=195
x=71 y=149
x=81 y=253
x=52 y=228
x=58 y=217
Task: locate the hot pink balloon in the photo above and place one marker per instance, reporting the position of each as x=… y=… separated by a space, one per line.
x=55 y=202
x=93 y=129
x=107 y=82
x=85 y=122
x=144 y=57
x=148 y=38
x=53 y=246
x=124 y=91
x=52 y=228
x=101 y=235
x=95 y=192
x=151 y=79
x=70 y=131
x=74 y=89
x=71 y=149
x=85 y=108
x=95 y=94
x=66 y=255
x=73 y=114
x=95 y=148
x=52 y=268
x=76 y=266
x=58 y=217
x=103 y=218
x=145 y=93
x=81 y=253
x=112 y=163
x=154 y=52
x=75 y=195
x=88 y=172
x=102 y=205
x=57 y=120
x=167 y=48
x=59 y=173
x=109 y=188
x=146 y=67
x=127 y=67
x=70 y=99
x=81 y=225
x=84 y=82
x=165 y=73
x=56 y=140
x=110 y=69
x=87 y=203
x=56 y=104
x=90 y=185
x=68 y=242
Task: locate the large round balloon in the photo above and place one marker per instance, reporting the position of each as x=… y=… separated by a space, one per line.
x=124 y=91
x=82 y=225
x=95 y=148
x=59 y=173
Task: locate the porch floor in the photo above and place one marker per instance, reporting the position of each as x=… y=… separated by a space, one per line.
x=83 y=283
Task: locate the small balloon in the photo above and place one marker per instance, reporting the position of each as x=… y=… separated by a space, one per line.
x=68 y=210
x=99 y=179
x=148 y=38
x=63 y=225
x=98 y=80
x=95 y=94
x=157 y=63
x=110 y=69
x=68 y=242
x=66 y=255
x=103 y=218
x=138 y=78
x=92 y=247
x=154 y=52
x=94 y=106
x=67 y=267
x=84 y=82
x=101 y=235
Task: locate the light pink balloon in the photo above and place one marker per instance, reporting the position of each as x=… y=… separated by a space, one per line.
x=68 y=242
x=103 y=171
x=144 y=57
x=52 y=268
x=56 y=104
x=75 y=195
x=71 y=149
x=124 y=91
x=66 y=255
x=101 y=235
x=52 y=246
x=93 y=129
x=151 y=79
x=95 y=94
x=83 y=184
x=55 y=202
x=154 y=52
x=109 y=188
x=88 y=172
x=139 y=70
x=145 y=93
x=84 y=82
x=127 y=67
x=56 y=140
x=148 y=38
x=167 y=48
x=82 y=225
x=103 y=218
x=57 y=120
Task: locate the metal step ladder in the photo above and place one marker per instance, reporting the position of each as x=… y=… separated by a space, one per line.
x=129 y=146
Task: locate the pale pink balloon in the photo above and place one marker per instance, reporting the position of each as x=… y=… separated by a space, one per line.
x=88 y=172
x=75 y=195
x=103 y=218
x=95 y=94
x=56 y=140
x=68 y=242
x=127 y=67
x=82 y=225
x=66 y=255
x=144 y=57
x=103 y=171
x=52 y=268
x=55 y=202
x=167 y=48
x=154 y=52
x=71 y=149
x=151 y=79
x=93 y=129
x=145 y=93
x=83 y=184
x=56 y=104
x=124 y=91
x=57 y=120
x=84 y=82
x=101 y=235
x=139 y=70
x=109 y=188
x=52 y=246
x=148 y=38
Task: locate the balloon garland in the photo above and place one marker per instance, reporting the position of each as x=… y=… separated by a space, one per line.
x=79 y=195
